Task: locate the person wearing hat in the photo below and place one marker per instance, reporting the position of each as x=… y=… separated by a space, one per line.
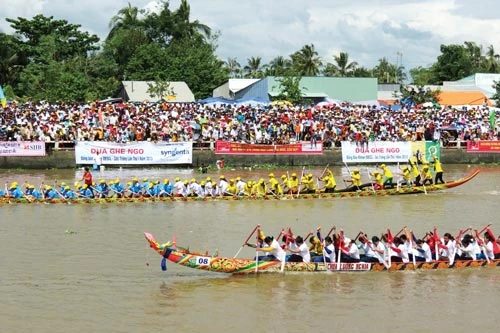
x=426 y=175
x=118 y=188
x=415 y=172
x=14 y=191
x=309 y=184
x=355 y=180
x=438 y=168
x=194 y=189
x=223 y=184
x=31 y=192
x=145 y=184
x=378 y=181
x=405 y=172
x=259 y=188
x=63 y=186
x=388 y=176
x=167 y=188
x=86 y=192
x=210 y=190
x=274 y=186
x=68 y=193
x=181 y=188
x=247 y=190
x=284 y=183
x=136 y=188
x=293 y=187
x=240 y=184
x=103 y=189
x=330 y=183
x=49 y=193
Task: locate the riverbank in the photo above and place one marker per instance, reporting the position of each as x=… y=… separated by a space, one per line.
x=64 y=159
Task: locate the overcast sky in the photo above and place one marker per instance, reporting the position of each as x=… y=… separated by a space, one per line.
x=366 y=29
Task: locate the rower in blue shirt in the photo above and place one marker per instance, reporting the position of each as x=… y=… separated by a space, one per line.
x=136 y=188
x=119 y=188
x=86 y=192
x=102 y=189
x=167 y=188
x=145 y=184
x=15 y=192
x=50 y=193
x=32 y=192
x=68 y=193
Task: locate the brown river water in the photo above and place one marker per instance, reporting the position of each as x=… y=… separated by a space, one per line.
x=88 y=268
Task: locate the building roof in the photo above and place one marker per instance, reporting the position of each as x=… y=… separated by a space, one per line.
x=463 y=98
x=346 y=89
x=238 y=84
x=137 y=91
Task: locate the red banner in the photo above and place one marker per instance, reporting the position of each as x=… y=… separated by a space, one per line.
x=234 y=148
x=483 y=146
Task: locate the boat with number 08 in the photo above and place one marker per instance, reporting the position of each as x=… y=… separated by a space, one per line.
x=203 y=261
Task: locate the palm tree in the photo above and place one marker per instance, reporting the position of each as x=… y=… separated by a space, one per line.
x=342 y=67
x=389 y=73
x=254 y=67
x=183 y=27
x=278 y=66
x=232 y=67
x=492 y=62
x=306 y=61
x=126 y=18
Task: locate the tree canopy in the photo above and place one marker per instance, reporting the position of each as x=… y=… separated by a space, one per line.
x=55 y=60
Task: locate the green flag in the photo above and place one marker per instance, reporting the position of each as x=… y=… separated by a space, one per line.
x=493 y=119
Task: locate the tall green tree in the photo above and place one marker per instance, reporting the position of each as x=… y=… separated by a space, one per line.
x=421 y=76
x=492 y=60
x=452 y=64
x=306 y=61
x=127 y=18
x=389 y=73
x=342 y=66
x=11 y=62
x=253 y=68
x=69 y=40
x=279 y=66
x=232 y=67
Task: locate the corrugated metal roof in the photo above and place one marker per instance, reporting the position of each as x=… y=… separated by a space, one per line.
x=137 y=91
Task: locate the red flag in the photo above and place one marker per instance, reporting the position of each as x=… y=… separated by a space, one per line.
x=390 y=238
x=496 y=248
x=309 y=114
x=435 y=236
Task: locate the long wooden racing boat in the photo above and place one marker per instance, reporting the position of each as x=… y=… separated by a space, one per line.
x=367 y=191
x=169 y=251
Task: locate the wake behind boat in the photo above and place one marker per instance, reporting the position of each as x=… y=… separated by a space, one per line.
x=367 y=190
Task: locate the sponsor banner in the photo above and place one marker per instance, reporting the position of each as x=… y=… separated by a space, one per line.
x=483 y=146
x=234 y=148
x=376 y=151
x=346 y=266
x=142 y=152
x=423 y=150
x=22 y=148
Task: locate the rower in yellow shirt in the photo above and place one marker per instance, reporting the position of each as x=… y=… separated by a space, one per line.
x=378 y=180
x=387 y=174
x=232 y=188
x=355 y=180
x=330 y=183
x=316 y=247
x=426 y=175
x=415 y=172
x=247 y=189
x=438 y=168
x=294 y=183
x=259 y=189
x=275 y=188
x=309 y=184
x=406 y=176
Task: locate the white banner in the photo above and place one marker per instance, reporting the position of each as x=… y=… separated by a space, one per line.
x=376 y=151
x=22 y=148
x=142 y=152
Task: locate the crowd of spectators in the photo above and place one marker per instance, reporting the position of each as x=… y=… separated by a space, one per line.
x=278 y=124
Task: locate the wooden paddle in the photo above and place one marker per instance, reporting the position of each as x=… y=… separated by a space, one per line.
x=246 y=241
